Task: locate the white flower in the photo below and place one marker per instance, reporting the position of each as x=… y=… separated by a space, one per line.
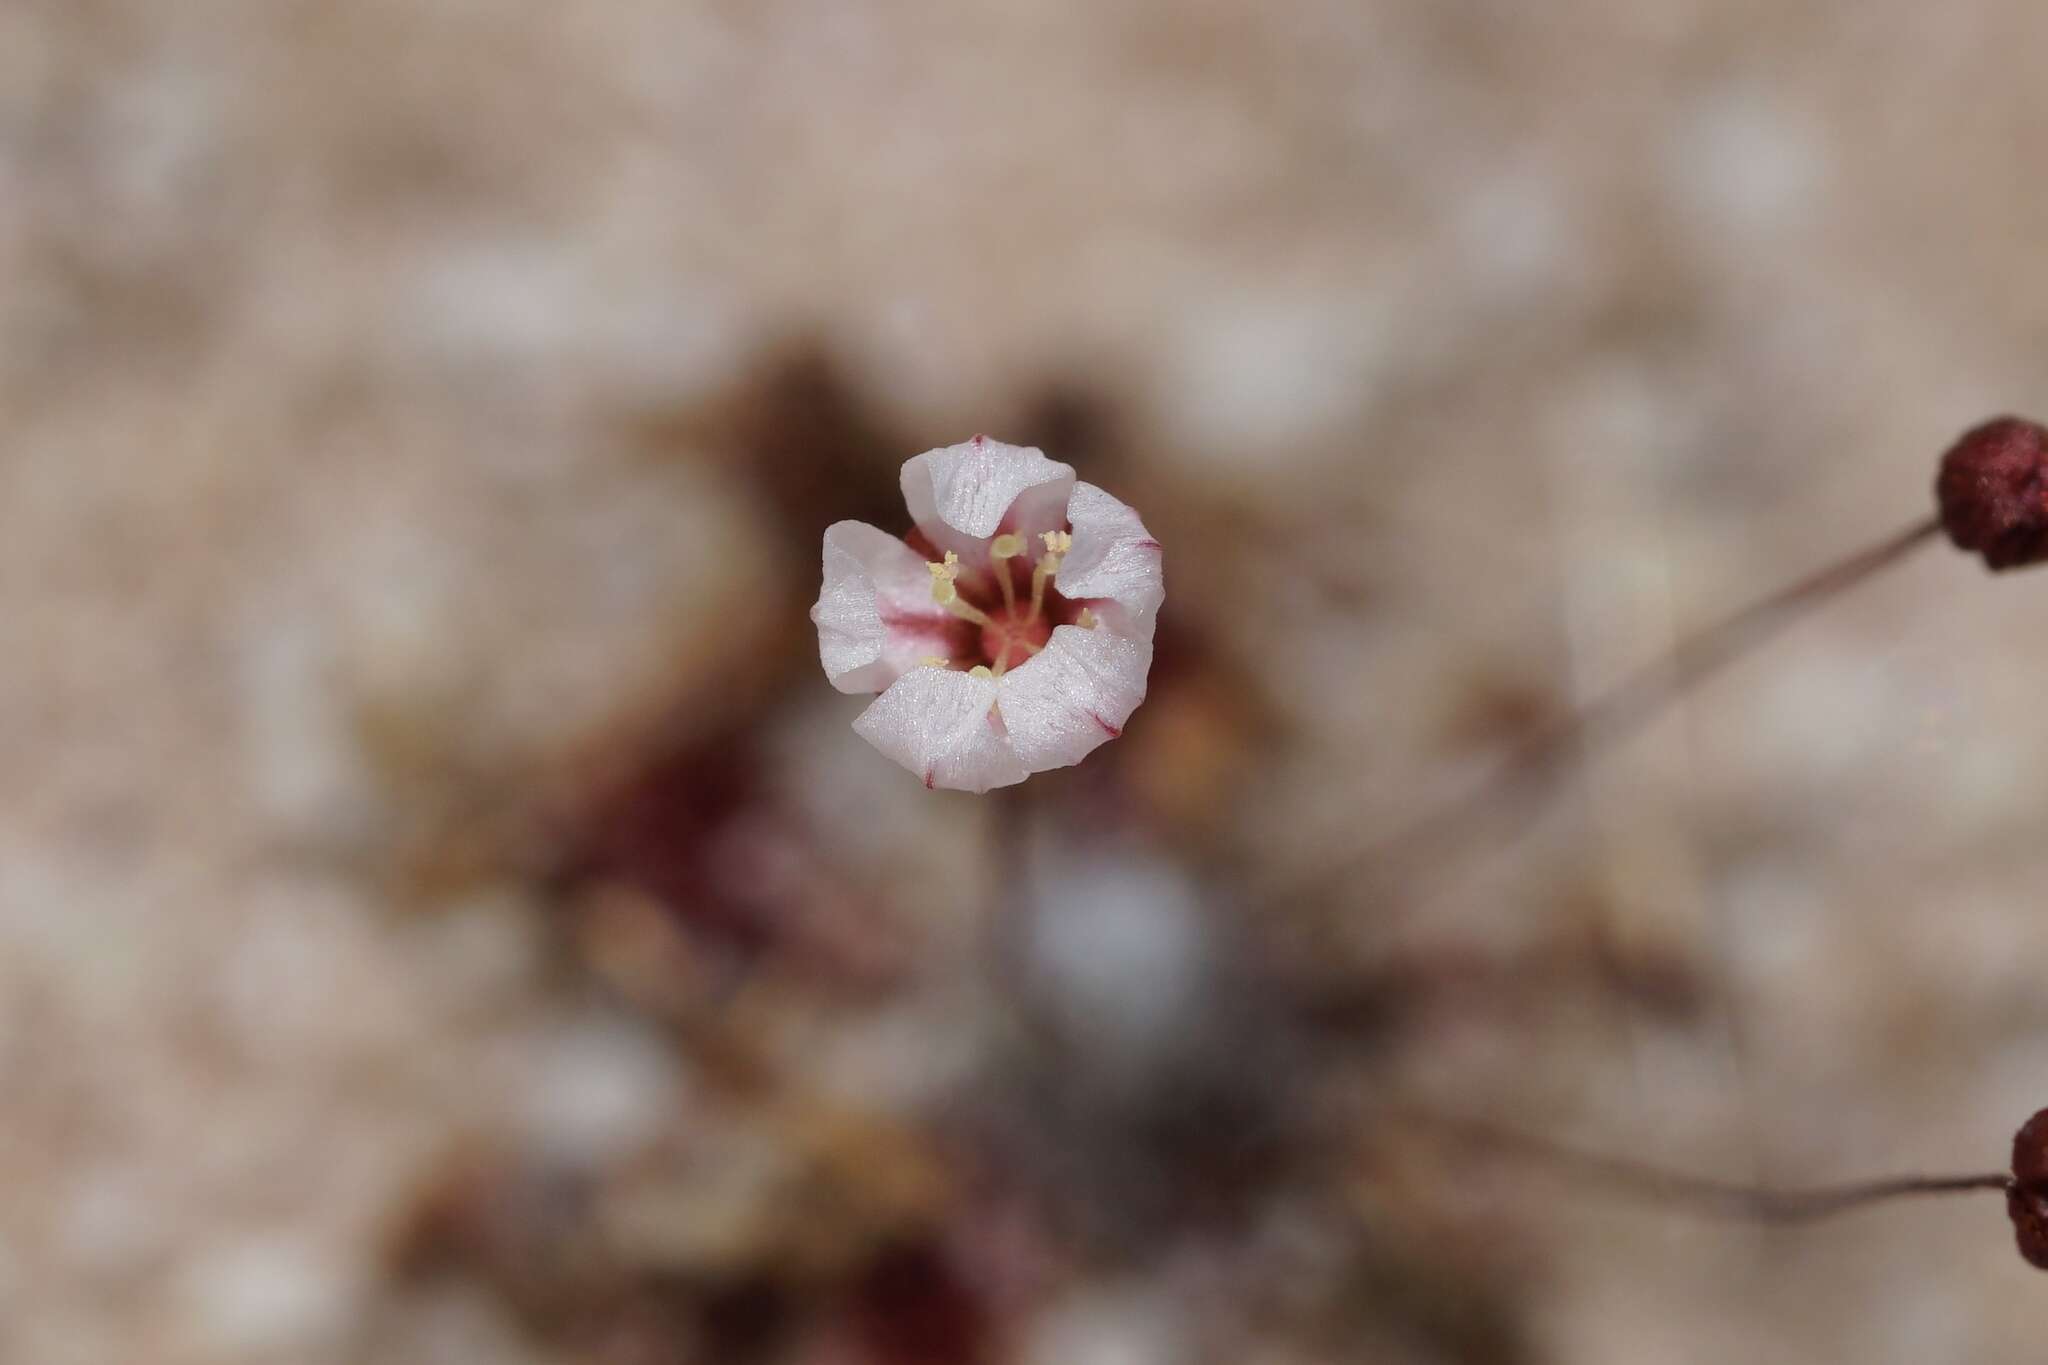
x=1010 y=634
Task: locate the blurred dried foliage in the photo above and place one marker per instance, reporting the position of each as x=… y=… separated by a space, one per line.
x=444 y=916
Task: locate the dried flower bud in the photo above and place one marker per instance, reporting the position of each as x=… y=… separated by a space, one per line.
x=1993 y=491
x=2026 y=1200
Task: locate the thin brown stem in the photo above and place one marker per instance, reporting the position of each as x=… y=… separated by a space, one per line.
x=1694 y=1193
x=1613 y=716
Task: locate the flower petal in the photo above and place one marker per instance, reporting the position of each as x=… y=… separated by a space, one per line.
x=938 y=723
x=1077 y=692
x=1115 y=561
x=961 y=496
x=875 y=615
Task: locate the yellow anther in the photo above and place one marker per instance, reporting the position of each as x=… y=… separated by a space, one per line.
x=934 y=661
x=1006 y=546
x=1087 y=619
x=947 y=595
x=980 y=671
x=943 y=573
x=1057 y=543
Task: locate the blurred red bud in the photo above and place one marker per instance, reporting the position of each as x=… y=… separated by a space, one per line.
x=1993 y=492
x=2026 y=1201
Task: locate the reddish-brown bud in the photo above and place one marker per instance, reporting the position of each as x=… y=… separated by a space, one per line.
x=2026 y=1200
x=1993 y=491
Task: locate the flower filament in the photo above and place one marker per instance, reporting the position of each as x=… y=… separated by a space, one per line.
x=1057 y=543
x=1013 y=630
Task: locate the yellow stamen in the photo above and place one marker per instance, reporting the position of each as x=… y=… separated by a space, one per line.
x=1087 y=619
x=980 y=671
x=966 y=611
x=1001 y=551
x=1057 y=543
x=948 y=596
x=934 y=661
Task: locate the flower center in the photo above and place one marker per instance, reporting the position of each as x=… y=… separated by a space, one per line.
x=1016 y=613
x=1013 y=635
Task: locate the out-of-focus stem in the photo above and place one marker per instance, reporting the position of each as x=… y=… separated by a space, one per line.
x=1697 y=1193
x=1007 y=922
x=1611 y=717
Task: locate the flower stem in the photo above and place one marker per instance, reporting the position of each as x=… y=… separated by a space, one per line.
x=1007 y=923
x=1612 y=717
x=1700 y=1194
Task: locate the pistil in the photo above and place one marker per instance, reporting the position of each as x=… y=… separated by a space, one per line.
x=1001 y=551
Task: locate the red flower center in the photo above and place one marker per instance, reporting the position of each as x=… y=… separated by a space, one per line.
x=1010 y=598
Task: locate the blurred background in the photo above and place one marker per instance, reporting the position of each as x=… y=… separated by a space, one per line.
x=445 y=915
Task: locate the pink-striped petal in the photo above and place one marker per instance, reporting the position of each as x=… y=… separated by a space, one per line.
x=961 y=496
x=875 y=615
x=1114 y=562
x=1075 y=694
x=941 y=725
